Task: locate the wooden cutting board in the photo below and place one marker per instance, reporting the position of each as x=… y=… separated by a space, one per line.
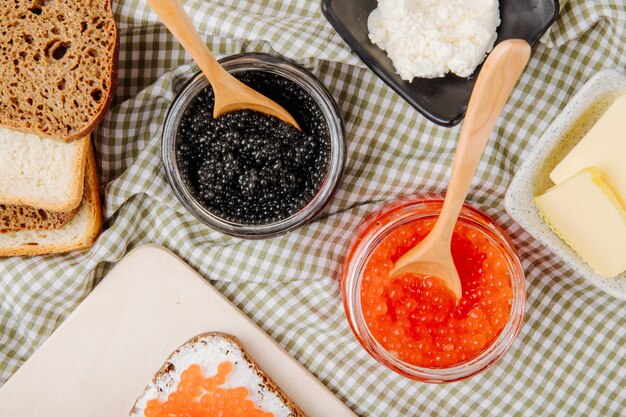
x=100 y=359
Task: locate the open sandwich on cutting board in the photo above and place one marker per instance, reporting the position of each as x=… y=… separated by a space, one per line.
x=212 y=373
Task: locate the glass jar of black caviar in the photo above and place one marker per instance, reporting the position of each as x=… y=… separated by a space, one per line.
x=247 y=174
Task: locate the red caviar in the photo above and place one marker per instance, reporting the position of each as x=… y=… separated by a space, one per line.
x=416 y=318
x=197 y=396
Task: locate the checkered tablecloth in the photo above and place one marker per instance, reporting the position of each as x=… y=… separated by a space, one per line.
x=570 y=357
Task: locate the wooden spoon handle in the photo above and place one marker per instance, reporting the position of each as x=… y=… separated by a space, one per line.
x=175 y=18
x=496 y=80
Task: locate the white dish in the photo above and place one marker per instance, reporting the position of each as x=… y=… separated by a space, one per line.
x=532 y=178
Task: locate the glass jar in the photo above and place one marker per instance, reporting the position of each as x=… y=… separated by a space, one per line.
x=373 y=231
x=337 y=159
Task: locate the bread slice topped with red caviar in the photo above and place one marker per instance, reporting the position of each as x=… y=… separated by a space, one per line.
x=212 y=375
x=58 y=63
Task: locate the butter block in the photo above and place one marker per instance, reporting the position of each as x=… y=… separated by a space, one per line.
x=603 y=147
x=584 y=211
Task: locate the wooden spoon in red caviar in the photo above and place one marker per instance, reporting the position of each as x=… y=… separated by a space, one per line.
x=230 y=93
x=495 y=81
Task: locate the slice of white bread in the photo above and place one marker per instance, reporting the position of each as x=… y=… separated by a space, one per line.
x=41 y=172
x=209 y=350
x=15 y=218
x=79 y=234
x=58 y=64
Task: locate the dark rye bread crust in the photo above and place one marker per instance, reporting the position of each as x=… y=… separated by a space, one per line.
x=169 y=367
x=14 y=218
x=58 y=64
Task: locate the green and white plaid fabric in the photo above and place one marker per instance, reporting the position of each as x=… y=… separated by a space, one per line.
x=570 y=356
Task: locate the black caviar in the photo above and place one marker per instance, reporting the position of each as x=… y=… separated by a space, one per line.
x=250 y=168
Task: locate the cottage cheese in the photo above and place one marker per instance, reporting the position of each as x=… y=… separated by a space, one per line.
x=429 y=38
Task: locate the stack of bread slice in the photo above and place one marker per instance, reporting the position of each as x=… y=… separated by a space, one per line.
x=58 y=65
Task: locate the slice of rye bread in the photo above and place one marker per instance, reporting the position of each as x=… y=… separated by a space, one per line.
x=58 y=63
x=16 y=218
x=208 y=350
x=41 y=172
x=80 y=233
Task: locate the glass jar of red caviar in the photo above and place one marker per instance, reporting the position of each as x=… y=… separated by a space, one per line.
x=412 y=323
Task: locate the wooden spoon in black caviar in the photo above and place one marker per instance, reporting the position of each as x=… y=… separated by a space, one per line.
x=230 y=93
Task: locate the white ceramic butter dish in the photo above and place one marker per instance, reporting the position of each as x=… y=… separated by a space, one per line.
x=532 y=178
